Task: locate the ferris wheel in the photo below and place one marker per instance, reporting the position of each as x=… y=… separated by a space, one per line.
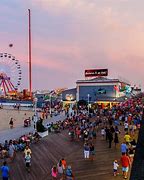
x=10 y=73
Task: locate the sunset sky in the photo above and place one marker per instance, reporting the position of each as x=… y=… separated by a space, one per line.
x=69 y=36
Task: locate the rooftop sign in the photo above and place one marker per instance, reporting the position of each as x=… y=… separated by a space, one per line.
x=96 y=72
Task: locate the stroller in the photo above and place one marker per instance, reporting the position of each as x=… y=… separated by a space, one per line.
x=27 y=122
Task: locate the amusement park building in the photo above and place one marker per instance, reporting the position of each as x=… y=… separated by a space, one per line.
x=100 y=89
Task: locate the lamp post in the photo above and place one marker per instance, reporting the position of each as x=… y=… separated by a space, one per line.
x=35 y=106
x=71 y=98
x=88 y=103
x=50 y=105
x=35 y=112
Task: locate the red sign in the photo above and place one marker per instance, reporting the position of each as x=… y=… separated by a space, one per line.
x=96 y=72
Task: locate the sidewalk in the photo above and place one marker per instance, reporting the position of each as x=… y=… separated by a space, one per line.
x=19 y=131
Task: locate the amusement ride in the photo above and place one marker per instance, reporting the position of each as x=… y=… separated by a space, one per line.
x=10 y=74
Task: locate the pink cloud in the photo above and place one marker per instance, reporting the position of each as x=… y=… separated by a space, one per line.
x=98 y=34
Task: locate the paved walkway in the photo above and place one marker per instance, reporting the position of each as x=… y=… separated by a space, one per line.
x=19 y=131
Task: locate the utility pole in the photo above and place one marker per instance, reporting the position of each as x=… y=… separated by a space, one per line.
x=88 y=103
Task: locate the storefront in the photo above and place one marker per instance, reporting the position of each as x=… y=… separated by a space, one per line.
x=99 y=89
x=69 y=98
x=96 y=88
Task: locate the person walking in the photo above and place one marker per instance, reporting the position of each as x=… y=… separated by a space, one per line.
x=125 y=162
x=94 y=132
x=102 y=132
x=127 y=138
x=92 y=151
x=60 y=169
x=28 y=161
x=115 y=168
x=64 y=164
x=11 y=123
x=110 y=138
x=11 y=151
x=27 y=149
x=54 y=173
x=126 y=126
x=116 y=140
x=5 y=171
x=69 y=173
x=124 y=148
x=106 y=132
x=131 y=153
x=86 y=151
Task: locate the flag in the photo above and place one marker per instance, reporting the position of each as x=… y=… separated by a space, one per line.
x=116 y=88
x=52 y=92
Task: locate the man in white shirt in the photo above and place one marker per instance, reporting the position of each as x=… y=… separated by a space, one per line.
x=126 y=125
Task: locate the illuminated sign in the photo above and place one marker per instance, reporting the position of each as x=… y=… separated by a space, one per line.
x=69 y=97
x=101 y=91
x=96 y=72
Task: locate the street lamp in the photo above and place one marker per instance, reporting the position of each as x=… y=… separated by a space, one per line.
x=35 y=112
x=50 y=105
x=70 y=108
x=88 y=103
x=71 y=98
x=35 y=106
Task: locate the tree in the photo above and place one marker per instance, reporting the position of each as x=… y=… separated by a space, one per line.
x=82 y=104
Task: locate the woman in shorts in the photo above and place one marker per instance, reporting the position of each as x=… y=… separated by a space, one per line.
x=131 y=153
x=92 y=151
x=60 y=169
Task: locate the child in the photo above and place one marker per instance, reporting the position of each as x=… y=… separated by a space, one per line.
x=28 y=161
x=69 y=174
x=54 y=173
x=103 y=132
x=115 y=168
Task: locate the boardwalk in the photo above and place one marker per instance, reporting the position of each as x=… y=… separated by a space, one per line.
x=50 y=149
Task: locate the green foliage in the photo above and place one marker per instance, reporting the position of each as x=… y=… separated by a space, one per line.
x=82 y=103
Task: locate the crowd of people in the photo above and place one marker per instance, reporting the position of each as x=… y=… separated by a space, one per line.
x=62 y=171
x=8 y=151
x=120 y=123
x=9 y=148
